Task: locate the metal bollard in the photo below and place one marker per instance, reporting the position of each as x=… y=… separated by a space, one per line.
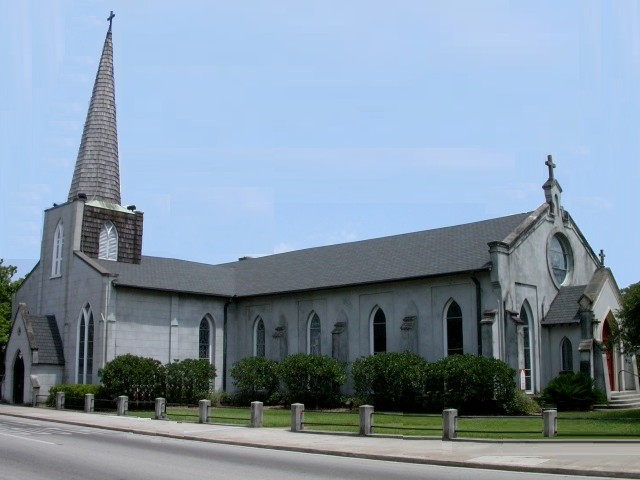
x=297 y=417
x=59 y=400
x=123 y=405
x=549 y=423
x=204 y=406
x=449 y=424
x=161 y=408
x=256 y=414
x=89 y=403
x=366 y=419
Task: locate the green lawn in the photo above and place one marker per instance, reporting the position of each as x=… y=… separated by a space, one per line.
x=610 y=424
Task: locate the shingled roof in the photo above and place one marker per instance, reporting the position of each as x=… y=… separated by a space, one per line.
x=565 y=308
x=170 y=274
x=44 y=337
x=442 y=251
x=97 y=170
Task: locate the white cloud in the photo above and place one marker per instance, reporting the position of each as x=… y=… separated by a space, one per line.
x=283 y=247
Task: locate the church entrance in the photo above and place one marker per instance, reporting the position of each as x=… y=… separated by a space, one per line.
x=18 y=380
x=606 y=339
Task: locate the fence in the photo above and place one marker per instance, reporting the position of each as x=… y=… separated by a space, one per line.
x=365 y=422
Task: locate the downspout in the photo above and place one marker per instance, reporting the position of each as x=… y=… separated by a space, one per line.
x=224 y=343
x=107 y=299
x=478 y=312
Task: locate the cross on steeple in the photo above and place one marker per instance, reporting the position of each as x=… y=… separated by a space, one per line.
x=549 y=163
x=110 y=18
x=602 y=255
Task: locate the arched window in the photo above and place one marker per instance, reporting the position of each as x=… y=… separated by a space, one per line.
x=108 y=249
x=566 y=355
x=526 y=348
x=205 y=342
x=379 y=331
x=313 y=335
x=455 y=344
x=56 y=258
x=85 y=346
x=259 y=337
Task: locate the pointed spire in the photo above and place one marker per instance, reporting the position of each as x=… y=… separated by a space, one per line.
x=97 y=171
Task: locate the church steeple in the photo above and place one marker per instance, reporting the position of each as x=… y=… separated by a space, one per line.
x=97 y=170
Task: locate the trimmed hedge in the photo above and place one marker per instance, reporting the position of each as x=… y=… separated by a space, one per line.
x=141 y=379
x=188 y=381
x=73 y=393
x=256 y=379
x=314 y=380
x=390 y=380
x=471 y=384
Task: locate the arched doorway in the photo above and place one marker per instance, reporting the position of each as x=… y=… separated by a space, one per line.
x=606 y=340
x=18 y=380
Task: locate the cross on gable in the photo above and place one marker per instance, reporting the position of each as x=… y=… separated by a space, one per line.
x=110 y=18
x=549 y=163
x=602 y=255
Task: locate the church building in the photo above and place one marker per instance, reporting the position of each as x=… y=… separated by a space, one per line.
x=526 y=288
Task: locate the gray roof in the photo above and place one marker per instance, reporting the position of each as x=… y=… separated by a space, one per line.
x=442 y=251
x=44 y=337
x=97 y=170
x=172 y=275
x=565 y=307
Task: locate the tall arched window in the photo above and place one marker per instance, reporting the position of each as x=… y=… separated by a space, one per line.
x=259 y=338
x=526 y=348
x=313 y=335
x=379 y=332
x=108 y=249
x=205 y=342
x=85 y=346
x=455 y=344
x=566 y=354
x=56 y=258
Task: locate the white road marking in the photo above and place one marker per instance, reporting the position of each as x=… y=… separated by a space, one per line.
x=25 y=438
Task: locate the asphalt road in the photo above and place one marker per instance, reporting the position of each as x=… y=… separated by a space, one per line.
x=35 y=450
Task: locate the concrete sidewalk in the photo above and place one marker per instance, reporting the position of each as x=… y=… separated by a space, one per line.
x=619 y=459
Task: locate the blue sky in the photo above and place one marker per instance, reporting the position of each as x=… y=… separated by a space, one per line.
x=256 y=127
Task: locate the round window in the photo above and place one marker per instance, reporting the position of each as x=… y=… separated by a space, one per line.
x=559 y=258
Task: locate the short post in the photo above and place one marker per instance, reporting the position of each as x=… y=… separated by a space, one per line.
x=161 y=408
x=550 y=423
x=203 y=408
x=123 y=405
x=366 y=419
x=256 y=414
x=297 y=417
x=89 y=403
x=449 y=423
x=59 y=400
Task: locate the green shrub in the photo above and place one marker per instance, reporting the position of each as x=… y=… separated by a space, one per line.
x=141 y=379
x=390 y=380
x=255 y=378
x=471 y=384
x=188 y=381
x=572 y=391
x=73 y=393
x=314 y=380
x=522 y=404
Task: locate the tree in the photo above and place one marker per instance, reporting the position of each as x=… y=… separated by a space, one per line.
x=629 y=316
x=7 y=289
